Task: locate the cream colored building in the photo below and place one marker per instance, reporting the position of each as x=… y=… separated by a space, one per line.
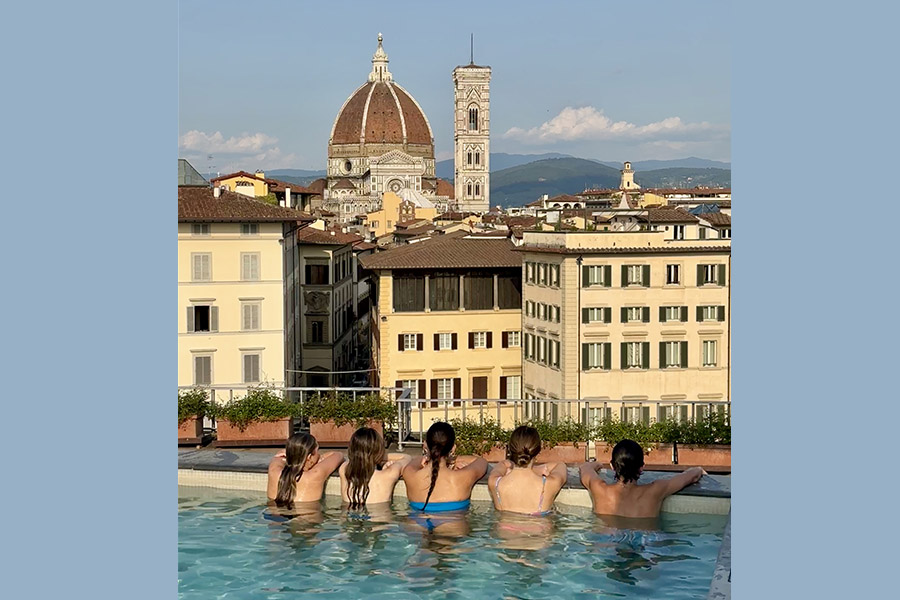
x=447 y=321
x=231 y=325
x=637 y=316
x=394 y=208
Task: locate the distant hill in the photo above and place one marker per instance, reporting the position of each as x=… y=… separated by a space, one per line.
x=499 y=161
x=298 y=176
x=522 y=184
x=651 y=165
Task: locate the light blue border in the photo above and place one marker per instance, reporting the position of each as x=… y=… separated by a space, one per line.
x=814 y=162
x=89 y=154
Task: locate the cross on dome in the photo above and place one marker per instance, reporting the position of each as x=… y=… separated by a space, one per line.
x=380 y=64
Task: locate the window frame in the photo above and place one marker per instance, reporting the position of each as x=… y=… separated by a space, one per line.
x=201 y=255
x=244 y=357
x=247 y=274
x=251 y=304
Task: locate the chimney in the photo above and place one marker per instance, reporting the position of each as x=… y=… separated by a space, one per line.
x=260 y=174
x=287 y=197
x=216 y=192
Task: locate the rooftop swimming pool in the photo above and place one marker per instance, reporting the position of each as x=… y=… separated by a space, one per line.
x=232 y=545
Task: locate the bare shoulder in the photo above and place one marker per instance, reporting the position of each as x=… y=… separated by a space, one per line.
x=277 y=464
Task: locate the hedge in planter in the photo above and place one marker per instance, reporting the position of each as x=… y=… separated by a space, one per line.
x=562 y=441
x=262 y=415
x=192 y=406
x=333 y=417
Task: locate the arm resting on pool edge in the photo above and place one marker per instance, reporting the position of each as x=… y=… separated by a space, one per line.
x=327 y=465
x=588 y=472
x=670 y=485
x=474 y=465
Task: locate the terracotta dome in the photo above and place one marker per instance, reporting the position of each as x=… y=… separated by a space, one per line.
x=381 y=112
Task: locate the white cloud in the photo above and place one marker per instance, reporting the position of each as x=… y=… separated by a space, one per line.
x=588 y=123
x=247 y=143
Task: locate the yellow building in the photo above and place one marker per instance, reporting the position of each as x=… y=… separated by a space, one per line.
x=231 y=288
x=637 y=316
x=394 y=208
x=447 y=321
x=257 y=185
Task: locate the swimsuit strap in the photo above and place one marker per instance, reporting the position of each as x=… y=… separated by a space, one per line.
x=543 y=484
x=497 y=488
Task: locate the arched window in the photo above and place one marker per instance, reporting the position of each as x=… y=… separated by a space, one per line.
x=477 y=189
x=469 y=158
x=473 y=119
x=469 y=189
x=477 y=158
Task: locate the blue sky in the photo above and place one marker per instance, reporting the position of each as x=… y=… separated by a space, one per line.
x=260 y=84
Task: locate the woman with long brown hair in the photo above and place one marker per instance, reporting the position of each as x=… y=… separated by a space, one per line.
x=441 y=482
x=299 y=473
x=527 y=488
x=370 y=473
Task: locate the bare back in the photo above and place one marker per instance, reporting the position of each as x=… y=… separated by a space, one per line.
x=311 y=485
x=452 y=485
x=632 y=499
x=381 y=484
x=526 y=490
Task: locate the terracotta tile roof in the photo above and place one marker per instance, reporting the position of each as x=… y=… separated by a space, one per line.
x=716 y=219
x=414 y=231
x=668 y=215
x=197 y=204
x=599 y=192
x=276 y=185
x=309 y=235
x=565 y=198
x=428 y=184
x=412 y=223
x=453 y=216
x=447 y=252
x=344 y=184
x=521 y=221
x=445 y=188
x=374 y=102
x=363 y=245
x=696 y=192
x=317 y=186
x=237 y=174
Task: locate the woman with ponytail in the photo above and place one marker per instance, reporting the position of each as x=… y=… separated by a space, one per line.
x=370 y=474
x=299 y=473
x=526 y=488
x=441 y=482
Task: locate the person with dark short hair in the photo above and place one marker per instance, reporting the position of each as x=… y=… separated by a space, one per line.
x=626 y=497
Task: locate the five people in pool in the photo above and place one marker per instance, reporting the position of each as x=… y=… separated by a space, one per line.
x=443 y=482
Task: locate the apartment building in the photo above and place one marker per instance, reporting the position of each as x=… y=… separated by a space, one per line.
x=627 y=315
x=231 y=286
x=325 y=299
x=448 y=318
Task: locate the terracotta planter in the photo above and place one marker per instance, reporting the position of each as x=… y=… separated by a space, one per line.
x=327 y=433
x=716 y=455
x=258 y=433
x=564 y=452
x=495 y=454
x=191 y=431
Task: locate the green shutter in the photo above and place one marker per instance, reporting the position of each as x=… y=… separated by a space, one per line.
x=624 y=314
x=584 y=315
x=699 y=313
x=623 y=355
x=662 y=355
x=684 y=314
x=645 y=276
x=607 y=355
x=721 y=312
x=720 y=274
x=607 y=275
x=646 y=314
x=585 y=276
x=662 y=314
x=607 y=312
x=700 y=275
x=584 y=357
x=645 y=355
x=684 y=354
x=624 y=275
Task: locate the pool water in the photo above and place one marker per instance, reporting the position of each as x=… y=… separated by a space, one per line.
x=232 y=545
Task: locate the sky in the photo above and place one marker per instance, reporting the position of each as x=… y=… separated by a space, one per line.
x=260 y=84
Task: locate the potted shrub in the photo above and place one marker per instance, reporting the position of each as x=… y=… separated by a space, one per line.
x=333 y=417
x=262 y=417
x=485 y=439
x=706 y=442
x=192 y=406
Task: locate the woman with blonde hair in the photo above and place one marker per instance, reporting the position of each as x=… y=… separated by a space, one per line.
x=370 y=473
x=299 y=473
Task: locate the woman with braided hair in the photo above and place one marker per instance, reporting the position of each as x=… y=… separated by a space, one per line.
x=441 y=482
x=299 y=473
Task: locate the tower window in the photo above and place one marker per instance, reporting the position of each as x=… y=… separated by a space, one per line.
x=469 y=158
x=469 y=189
x=477 y=189
x=477 y=158
x=473 y=119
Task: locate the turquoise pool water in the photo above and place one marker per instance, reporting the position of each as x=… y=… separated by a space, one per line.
x=231 y=545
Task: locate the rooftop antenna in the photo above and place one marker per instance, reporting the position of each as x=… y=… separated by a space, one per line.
x=472 y=49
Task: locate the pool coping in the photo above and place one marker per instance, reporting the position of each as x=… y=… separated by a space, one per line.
x=247 y=469
x=720 y=587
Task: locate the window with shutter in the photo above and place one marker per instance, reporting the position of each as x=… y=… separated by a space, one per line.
x=250 y=266
x=201 y=267
x=251 y=368
x=203 y=370
x=250 y=316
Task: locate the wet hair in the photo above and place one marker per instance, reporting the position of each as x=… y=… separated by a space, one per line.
x=524 y=445
x=627 y=460
x=439 y=439
x=366 y=453
x=299 y=447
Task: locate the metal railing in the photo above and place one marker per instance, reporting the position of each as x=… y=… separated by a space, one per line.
x=506 y=412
